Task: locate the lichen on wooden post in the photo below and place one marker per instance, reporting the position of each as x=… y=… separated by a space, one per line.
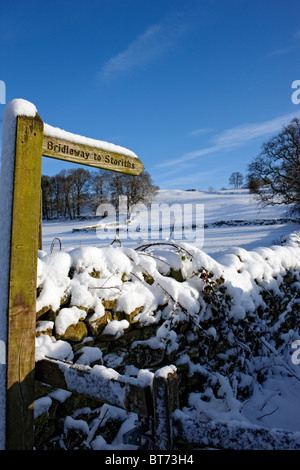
x=22 y=283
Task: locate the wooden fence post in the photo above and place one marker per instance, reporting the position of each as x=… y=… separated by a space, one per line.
x=22 y=284
x=166 y=400
x=41 y=223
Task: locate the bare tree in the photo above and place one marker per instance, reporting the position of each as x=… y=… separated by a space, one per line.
x=116 y=187
x=80 y=180
x=66 y=188
x=47 y=196
x=254 y=184
x=278 y=167
x=236 y=179
x=100 y=186
x=139 y=189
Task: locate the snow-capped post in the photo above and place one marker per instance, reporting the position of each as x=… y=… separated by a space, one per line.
x=25 y=140
x=165 y=402
x=20 y=224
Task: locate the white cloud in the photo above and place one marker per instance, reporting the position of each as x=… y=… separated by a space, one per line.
x=287 y=49
x=283 y=51
x=244 y=133
x=189 y=156
x=236 y=137
x=155 y=41
x=201 y=131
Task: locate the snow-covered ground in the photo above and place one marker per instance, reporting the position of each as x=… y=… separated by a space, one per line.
x=220 y=207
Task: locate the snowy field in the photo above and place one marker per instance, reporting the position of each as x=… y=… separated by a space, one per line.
x=261 y=227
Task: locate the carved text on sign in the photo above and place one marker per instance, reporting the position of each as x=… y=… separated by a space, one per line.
x=68 y=150
x=77 y=152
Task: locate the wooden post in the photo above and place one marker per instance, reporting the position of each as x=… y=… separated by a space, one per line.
x=41 y=223
x=166 y=400
x=22 y=283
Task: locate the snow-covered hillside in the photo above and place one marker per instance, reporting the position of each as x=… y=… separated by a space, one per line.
x=231 y=218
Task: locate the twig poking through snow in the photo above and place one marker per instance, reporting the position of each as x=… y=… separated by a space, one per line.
x=174 y=245
x=53 y=243
x=268 y=414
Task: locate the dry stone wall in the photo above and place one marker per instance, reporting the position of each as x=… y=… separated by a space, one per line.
x=130 y=310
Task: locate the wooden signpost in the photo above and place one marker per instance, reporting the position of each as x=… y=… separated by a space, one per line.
x=31 y=143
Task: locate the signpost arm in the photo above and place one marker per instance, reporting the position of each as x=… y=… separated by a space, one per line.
x=22 y=283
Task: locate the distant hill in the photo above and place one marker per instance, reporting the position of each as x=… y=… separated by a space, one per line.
x=230 y=218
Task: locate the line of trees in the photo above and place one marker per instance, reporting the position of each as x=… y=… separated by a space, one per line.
x=65 y=194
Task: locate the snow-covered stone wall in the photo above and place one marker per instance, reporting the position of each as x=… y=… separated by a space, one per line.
x=227 y=328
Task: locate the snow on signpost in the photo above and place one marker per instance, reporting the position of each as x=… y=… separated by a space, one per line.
x=74 y=148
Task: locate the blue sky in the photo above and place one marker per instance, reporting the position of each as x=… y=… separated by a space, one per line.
x=193 y=87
